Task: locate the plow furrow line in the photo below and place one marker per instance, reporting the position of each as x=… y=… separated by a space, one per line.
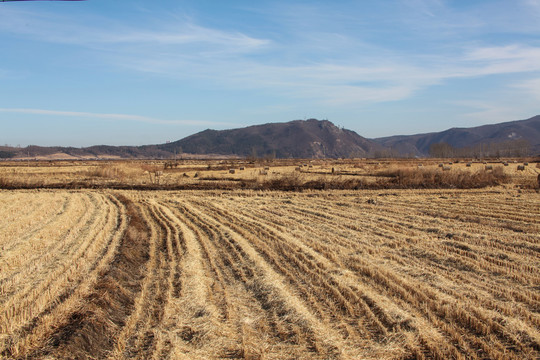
x=157 y=289
x=474 y=288
x=469 y=324
x=267 y=281
x=357 y=312
x=20 y=261
x=31 y=301
x=389 y=274
x=22 y=219
x=91 y=261
x=485 y=263
x=358 y=319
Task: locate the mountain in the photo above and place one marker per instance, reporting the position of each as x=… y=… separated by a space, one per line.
x=496 y=137
x=313 y=139
x=295 y=139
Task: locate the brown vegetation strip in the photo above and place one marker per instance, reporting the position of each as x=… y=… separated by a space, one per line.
x=388 y=179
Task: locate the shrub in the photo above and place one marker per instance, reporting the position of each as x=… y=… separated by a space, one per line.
x=107 y=172
x=6 y=154
x=420 y=178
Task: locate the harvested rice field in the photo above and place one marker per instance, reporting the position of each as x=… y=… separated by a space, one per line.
x=372 y=274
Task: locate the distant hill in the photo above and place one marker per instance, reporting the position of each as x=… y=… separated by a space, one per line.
x=295 y=139
x=312 y=139
x=72 y=153
x=495 y=136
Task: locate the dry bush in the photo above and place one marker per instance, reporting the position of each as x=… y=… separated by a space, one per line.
x=107 y=172
x=435 y=179
x=388 y=179
x=4 y=182
x=295 y=181
x=150 y=176
x=20 y=182
x=150 y=168
x=291 y=181
x=154 y=173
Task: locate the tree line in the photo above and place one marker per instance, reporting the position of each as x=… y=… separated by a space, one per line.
x=509 y=148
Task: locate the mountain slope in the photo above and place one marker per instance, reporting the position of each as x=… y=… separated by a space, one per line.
x=295 y=139
x=419 y=144
x=306 y=139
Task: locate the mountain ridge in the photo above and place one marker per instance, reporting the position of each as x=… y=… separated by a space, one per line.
x=461 y=137
x=310 y=138
x=294 y=139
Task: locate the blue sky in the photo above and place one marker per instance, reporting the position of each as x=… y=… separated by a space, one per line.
x=143 y=72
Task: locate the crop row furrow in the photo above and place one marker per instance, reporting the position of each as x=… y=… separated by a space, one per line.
x=271 y=293
x=146 y=341
x=87 y=266
x=368 y=311
x=468 y=322
x=30 y=249
x=471 y=287
x=22 y=219
x=307 y=269
x=495 y=266
x=25 y=308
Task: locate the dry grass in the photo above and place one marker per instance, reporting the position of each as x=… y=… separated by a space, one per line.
x=277 y=175
x=437 y=179
x=48 y=267
x=372 y=274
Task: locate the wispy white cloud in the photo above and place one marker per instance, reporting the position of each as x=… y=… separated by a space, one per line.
x=181 y=49
x=508 y=52
x=425 y=7
x=187 y=33
x=171 y=32
x=509 y=59
x=104 y=116
x=367 y=80
x=532 y=4
x=482 y=112
x=451 y=21
x=334 y=84
x=530 y=87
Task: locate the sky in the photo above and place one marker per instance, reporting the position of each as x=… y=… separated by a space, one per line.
x=139 y=72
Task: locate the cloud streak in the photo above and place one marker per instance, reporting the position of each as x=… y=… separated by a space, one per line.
x=530 y=87
x=105 y=116
x=297 y=64
x=366 y=80
x=57 y=29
